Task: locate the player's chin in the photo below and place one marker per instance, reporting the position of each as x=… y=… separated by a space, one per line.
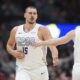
x=31 y=22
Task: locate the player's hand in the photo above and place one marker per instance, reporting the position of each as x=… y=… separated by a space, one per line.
x=18 y=54
x=55 y=61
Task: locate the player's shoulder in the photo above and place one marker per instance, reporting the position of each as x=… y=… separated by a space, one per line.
x=72 y=32
x=15 y=28
x=42 y=27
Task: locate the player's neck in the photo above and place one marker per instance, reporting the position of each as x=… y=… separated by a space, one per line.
x=28 y=27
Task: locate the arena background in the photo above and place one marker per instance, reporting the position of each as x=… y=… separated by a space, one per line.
x=60 y=16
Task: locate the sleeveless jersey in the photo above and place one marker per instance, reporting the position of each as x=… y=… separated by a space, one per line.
x=77 y=45
x=34 y=57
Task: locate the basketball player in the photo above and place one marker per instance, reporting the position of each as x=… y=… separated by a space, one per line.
x=72 y=35
x=30 y=61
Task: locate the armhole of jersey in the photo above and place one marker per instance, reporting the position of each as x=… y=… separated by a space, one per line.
x=37 y=30
x=18 y=29
x=38 y=27
x=44 y=48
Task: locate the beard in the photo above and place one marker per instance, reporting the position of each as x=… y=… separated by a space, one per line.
x=30 y=22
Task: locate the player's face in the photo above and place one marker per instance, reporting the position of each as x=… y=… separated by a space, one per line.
x=30 y=15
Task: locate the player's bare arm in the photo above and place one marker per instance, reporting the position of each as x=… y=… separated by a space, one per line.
x=46 y=36
x=63 y=40
x=11 y=44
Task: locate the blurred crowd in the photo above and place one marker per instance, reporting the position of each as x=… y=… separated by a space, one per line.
x=61 y=11
x=56 y=11
x=64 y=69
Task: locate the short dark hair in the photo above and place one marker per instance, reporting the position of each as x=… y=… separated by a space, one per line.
x=34 y=7
x=30 y=4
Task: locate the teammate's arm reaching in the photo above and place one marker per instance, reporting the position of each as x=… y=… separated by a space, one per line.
x=11 y=44
x=46 y=36
x=69 y=36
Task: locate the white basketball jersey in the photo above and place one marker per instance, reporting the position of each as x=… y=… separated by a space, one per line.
x=34 y=57
x=77 y=45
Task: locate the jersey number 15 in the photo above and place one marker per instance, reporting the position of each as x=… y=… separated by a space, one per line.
x=25 y=50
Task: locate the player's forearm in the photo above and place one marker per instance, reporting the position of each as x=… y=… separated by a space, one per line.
x=54 y=51
x=56 y=42
x=60 y=41
x=10 y=49
x=54 y=55
x=48 y=42
x=52 y=42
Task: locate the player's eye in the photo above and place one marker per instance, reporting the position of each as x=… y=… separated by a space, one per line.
x=35 y=13
x=30 y=12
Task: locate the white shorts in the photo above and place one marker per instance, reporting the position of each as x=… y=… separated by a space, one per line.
x=37 y=74
x=76 y=72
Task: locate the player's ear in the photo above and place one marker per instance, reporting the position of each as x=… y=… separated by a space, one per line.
x=37 y=15
x=24 y=15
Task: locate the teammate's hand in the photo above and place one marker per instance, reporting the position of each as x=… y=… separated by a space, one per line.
x=18 y=54
x=55 y=61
